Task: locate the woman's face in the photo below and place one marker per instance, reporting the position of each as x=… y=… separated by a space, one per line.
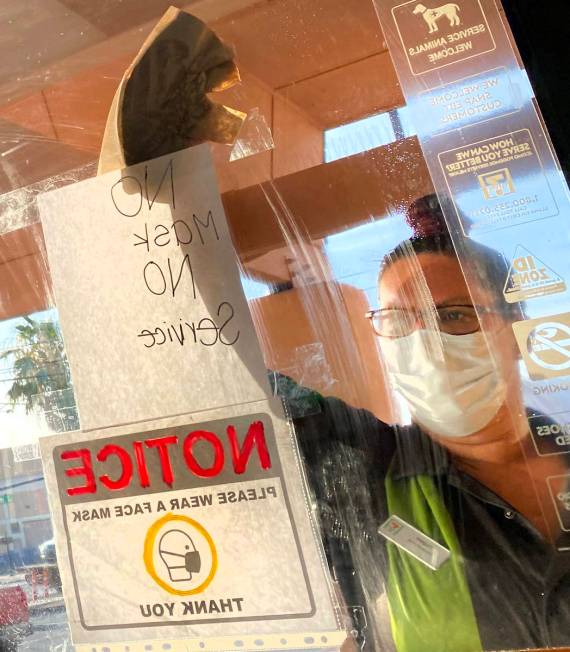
x=419 y=284
x=429 y=293
x=403 y=284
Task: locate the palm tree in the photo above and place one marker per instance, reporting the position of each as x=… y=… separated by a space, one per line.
x=42 y=381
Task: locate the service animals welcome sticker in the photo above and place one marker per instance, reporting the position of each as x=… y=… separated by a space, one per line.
x=195 y=531
x=437 y=34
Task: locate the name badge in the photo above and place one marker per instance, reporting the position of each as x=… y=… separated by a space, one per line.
x=416 y=543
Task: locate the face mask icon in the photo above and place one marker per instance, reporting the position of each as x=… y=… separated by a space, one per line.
x=179 y=555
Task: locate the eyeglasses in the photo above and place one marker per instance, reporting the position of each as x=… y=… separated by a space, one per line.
x=397 y=322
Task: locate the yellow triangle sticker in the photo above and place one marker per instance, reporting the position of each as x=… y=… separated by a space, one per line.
x=529 y=277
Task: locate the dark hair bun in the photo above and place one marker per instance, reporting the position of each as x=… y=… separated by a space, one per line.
x=425 y=217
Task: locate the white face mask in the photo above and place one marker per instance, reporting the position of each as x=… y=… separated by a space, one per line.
x=449 y=382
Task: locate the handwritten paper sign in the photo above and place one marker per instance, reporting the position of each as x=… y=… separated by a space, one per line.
x=191 y=530
x=147 y=286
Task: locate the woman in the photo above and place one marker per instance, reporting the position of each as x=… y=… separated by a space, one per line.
x=465 y=473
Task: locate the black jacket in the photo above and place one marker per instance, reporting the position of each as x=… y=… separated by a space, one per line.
x=519 y=584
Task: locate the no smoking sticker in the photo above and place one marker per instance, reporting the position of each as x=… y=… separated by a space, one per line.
x=545 y=345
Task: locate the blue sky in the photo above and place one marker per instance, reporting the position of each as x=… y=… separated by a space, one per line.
x=355 y=255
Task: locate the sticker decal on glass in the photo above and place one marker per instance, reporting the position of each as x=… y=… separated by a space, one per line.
x=545 y=345
x=559 y=487
x=551 y=433
x=437 y=34
x=529 y=277
x=472 y=100
x=497 y=183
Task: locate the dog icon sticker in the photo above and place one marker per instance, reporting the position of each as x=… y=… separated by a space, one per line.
x=180 y=555
x=432 y=16
x=435 y=35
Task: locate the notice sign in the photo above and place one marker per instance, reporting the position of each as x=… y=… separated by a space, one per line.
x=149 y=295
x=436 y=34
x=545 y=345
x=498 y=182
x=196 y=530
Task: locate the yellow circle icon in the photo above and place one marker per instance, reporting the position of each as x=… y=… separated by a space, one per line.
x=178 y=552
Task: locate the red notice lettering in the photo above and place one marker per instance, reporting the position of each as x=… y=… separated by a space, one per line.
x=133 y=463
x=141 y=464
x=217 y=464
x=87 y=470
x=161 y=443
x=255 y=436
x=126 y=473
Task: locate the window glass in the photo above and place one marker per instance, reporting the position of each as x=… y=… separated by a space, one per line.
x=424 y=386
